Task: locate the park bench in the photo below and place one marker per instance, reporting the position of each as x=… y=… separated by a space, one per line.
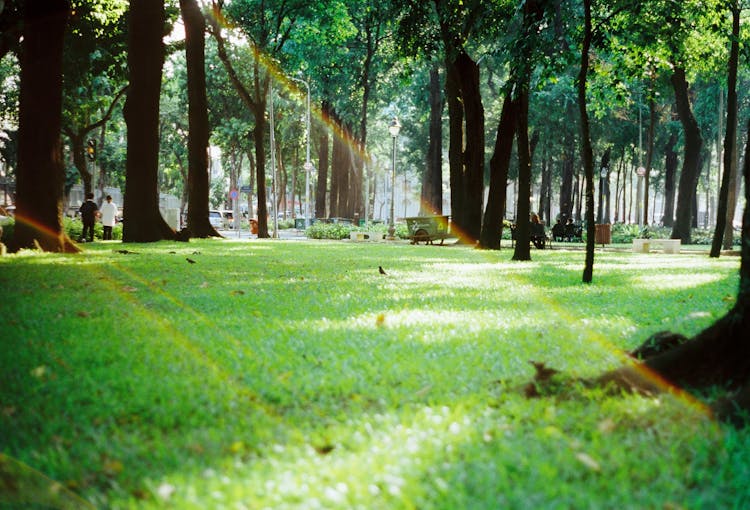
x=427 y=229
x=537 y=235
x=645 y=245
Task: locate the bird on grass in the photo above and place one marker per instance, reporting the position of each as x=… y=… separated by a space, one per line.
x=190 y=260
x=381 y=270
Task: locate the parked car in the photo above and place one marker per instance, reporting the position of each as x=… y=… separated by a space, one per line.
x=214 y=217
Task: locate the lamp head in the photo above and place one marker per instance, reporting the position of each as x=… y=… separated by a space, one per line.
x=394 y=127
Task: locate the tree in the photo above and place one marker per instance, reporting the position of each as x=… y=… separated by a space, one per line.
x=143 y=221
x=198 y=127
x=432 y=180
x=466 y=148
x=95 y=73
x=40 y=169
x=586 y=150
x=720 y=354
x=730 y=137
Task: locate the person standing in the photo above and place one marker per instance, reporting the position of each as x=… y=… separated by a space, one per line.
x=88 y=212
x=109 y=217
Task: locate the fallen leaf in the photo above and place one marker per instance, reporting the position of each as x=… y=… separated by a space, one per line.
x=204 y=285
x=82 y=313
x=39 y=371
x=238 y=292
x=380 y=320
x=128 y=288
x=587 y=461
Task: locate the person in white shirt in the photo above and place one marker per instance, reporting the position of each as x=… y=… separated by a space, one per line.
x=109 y=217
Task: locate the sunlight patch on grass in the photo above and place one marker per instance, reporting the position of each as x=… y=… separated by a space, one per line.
x=669 y=281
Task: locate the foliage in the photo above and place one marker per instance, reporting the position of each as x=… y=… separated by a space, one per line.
x=293 y=375
x=321 y=230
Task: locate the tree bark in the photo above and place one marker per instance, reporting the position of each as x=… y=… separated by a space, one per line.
x=650 y=137
x=432 y=181
x=492 y=226
x=568 y=165
x=143 y=221
x=691 y=163
x=40 y=171
x=468 y=70
x=730 y=137
x=670 y=171
x=323 y=144
x=586 y=150
x=523 y=246
x=455 y=148
x=198 y=129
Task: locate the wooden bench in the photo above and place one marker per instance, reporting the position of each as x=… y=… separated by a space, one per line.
x=645 y=245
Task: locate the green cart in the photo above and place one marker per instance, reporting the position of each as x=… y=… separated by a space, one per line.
x=427 y=229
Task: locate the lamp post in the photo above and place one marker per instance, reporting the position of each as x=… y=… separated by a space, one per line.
x=600 y=211
x=640 y=172
x=308 y=165
x=393 y=129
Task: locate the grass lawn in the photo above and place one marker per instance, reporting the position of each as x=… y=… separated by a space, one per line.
x=287 y=374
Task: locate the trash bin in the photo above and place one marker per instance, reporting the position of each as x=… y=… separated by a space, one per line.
x=603 y=233
x=299 y=223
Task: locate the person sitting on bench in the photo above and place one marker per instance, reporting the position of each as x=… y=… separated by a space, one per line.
x=536 y=232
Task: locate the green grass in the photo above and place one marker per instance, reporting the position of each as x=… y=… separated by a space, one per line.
x=274 y=374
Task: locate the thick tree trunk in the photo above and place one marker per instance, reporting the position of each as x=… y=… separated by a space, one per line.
x=720 y=354
x=670 y=171
x=260 y=173
x=730 y=138
x=198 y=129
x=143 y=221
x=492 y=227
x=323 y=144
x=455 y=149
x=39 y=185
x=432 y=180
x=691 y=163
x=468 y=70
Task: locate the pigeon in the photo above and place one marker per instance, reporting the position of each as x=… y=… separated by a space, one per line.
x=190 y=260
x=381 y=271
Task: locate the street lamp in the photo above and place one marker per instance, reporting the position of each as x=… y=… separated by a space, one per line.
x=602 y=177
x=640 y=172
x=308 y=165
x=393 y=129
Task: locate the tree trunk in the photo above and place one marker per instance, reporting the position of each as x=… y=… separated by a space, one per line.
x=143 y=221
x=323 y=143
x=455 y=149
x=432 y=180
x=492 y=227
x=198 y=129
x=650 y=136
x=544 y=190
x=720 y=354
x=260 y=173
x=691 y=163
x=670 y=171
x=730 y=137
x=586 y=150
x=523 y=249
x=40 y=171
x=568 y=165
x=468 y=70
